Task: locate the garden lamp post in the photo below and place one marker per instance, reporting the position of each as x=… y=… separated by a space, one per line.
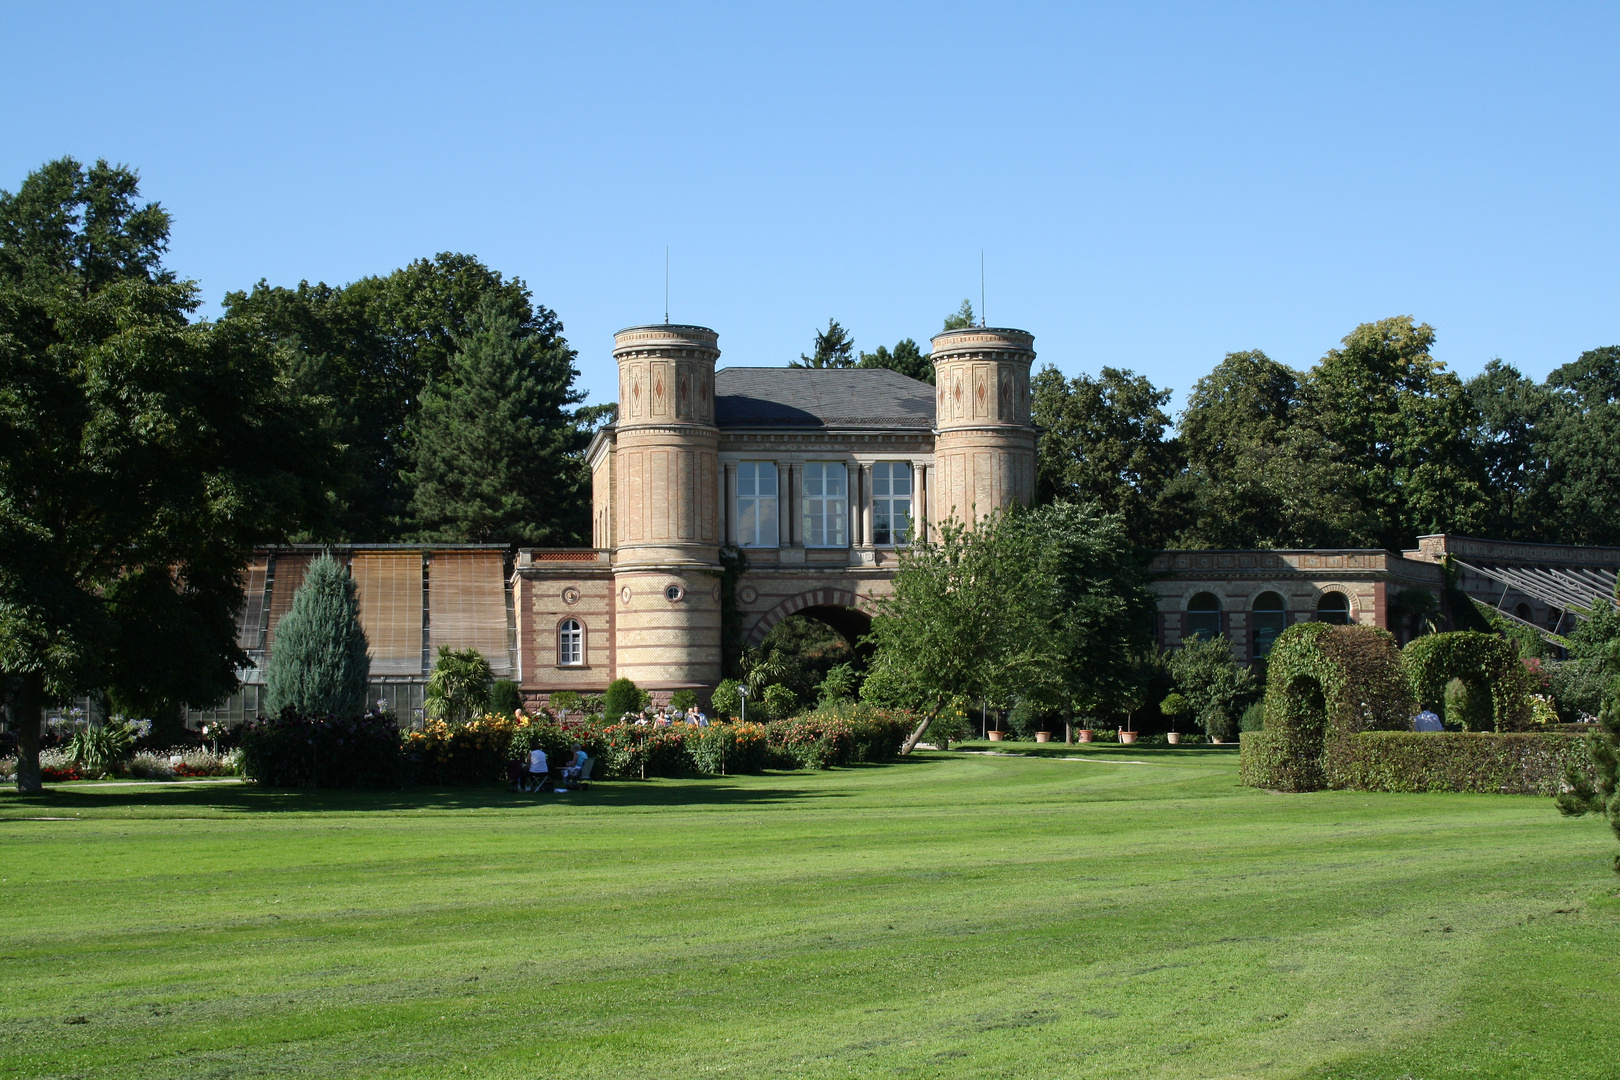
x=742 y=693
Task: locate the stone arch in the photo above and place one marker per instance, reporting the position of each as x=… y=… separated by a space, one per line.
x=838 y=608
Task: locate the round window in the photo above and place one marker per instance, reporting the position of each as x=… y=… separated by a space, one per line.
x=672 y=593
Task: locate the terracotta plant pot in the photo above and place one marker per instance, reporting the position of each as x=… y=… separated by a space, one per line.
x=1127 y=737
x=1043 y=736
x=997 y=736
x=1173 y=738
x=1085 y=734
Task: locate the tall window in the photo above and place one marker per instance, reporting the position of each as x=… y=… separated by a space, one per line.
x=1204 y=616
x=826 y=504
x=1334 y=607
x=570 y=643
x=891 y=503
x=1270 y=618
x=756 y=504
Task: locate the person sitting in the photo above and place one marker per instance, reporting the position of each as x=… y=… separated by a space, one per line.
x=699 y=719
x=570 y=772
x=539 y=771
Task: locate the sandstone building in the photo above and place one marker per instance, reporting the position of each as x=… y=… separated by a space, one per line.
x=818 y=478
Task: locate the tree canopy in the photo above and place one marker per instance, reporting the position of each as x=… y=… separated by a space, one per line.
x=141 y=456
x=834 y=348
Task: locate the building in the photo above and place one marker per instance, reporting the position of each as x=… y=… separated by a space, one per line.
x=817 y=478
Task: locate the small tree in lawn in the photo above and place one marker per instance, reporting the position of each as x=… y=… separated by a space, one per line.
x=725 y=699
x=458 y=688
x=319 y=664
x=1599 y=794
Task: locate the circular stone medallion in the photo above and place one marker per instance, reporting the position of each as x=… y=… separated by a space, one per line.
x=624 y=595
x=570 y=595
x=748 y=594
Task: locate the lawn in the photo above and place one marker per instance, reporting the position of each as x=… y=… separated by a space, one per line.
x=1134 y=913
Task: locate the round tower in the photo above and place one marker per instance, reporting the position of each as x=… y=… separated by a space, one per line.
x=984 y=443
x=666 y=466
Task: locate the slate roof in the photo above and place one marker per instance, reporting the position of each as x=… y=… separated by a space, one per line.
x=758 y=397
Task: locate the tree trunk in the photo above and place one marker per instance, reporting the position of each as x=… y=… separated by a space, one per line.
x=1068 y=733
x=922 y=729
x=24 y=715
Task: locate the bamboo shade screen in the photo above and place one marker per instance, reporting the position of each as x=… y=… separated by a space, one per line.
x=251 y=619
x=389 y=588
x=290 y=571
x=467 y=604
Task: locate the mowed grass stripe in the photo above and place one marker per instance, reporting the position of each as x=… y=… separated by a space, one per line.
x=951 y=916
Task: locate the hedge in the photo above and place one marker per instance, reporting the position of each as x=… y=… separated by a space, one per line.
x=1483 y=662
x=1513 y=763
x=323 y=751
x=1325 y=683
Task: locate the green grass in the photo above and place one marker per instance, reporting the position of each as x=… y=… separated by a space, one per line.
x=953 y=915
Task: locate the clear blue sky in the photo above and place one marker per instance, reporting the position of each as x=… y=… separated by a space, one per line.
x=1152 y=185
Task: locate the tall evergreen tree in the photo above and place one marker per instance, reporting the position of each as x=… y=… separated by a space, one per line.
x=494 y=454
x=961 y=318
x=319 y=664
x=834 y=349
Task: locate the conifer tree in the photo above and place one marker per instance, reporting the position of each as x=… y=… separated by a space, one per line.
x=319 y=664
x=494 y=454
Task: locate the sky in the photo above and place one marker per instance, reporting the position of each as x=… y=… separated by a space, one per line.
x=1151 y=186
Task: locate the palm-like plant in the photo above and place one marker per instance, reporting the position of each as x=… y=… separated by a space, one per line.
x=458 y=688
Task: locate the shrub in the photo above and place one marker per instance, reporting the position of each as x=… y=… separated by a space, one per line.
x=566 y=701
x=720 y=749
x=101 y=748
x=322 y=751
x=1593 y=787
x=725 y=698
x=1324 y=683
x=1577 y=688
x=200 y=761
x=779 y=701
x=1174 y=706
x=477 y=752
x=622 y=696
x=1254 y=718
x=1215 y=686
x=840 y=684
x=459 y=687
x=683 y=700
x=1515 y=763
x=1268 y=759
x=1024 y=719
x=1496 y=686
x=637 y=751
x=146 y=765
x=319 y=666
x=951 y=725
x=842 y=735
x=506 y=698
x=1218 y=723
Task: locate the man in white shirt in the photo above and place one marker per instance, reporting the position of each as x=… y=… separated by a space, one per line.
x=537 y=769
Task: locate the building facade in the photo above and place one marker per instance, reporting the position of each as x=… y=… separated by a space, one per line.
x=755 y=493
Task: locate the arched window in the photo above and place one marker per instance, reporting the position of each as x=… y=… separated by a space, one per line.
x=570 y=643
x=1523 y=611
x=1204 y=616
x=1270 y=618
x=1334 y=607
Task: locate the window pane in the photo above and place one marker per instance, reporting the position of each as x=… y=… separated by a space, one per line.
x=836 y=478
x=745 y=478
x=902 y=521
x=1203 y=624
x=880 y=478
x=902 y=479
x=880 y=522
x=812 y=480
x=1267 y=626
x=747 y=524
x=813 y=525
x=835 y=523
x=767 y=522
x=767 y=478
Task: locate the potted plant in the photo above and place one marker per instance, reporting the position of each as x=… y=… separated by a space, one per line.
x=1043 y=736
x=1085 y=731
x=1173 y=706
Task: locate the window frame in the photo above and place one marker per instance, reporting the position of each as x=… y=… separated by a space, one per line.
x=1194 y=617
x=833 y=507
x=578 y=634
x=884 y=501
x=1262 y=648
x=758 y=503
x=1348 y=611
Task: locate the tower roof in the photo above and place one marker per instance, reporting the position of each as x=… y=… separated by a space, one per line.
x=758 y=397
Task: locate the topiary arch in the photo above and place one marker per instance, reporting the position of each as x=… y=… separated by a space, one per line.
x=1483 y=662
x=1324 y=683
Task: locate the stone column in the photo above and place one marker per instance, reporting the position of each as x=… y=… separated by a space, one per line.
x=919 y=502
x=728 y=502
x=866 y=505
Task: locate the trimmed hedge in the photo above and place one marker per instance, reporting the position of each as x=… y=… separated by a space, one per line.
x=1484 y=662
x=1325 y=683
x=1508 y=763
x=323 y=751
x=1512 y=763
x=1268 y=759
